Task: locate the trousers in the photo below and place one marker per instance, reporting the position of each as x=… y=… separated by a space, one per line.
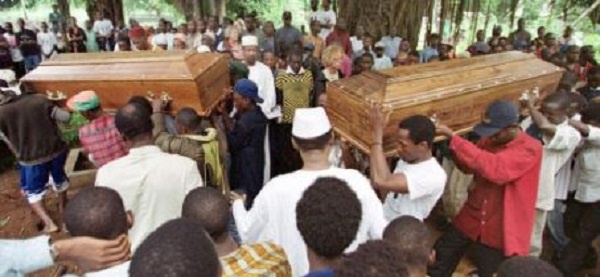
x=587 y=230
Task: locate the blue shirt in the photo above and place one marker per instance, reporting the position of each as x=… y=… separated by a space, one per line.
x=321 y=273
x=428 y=53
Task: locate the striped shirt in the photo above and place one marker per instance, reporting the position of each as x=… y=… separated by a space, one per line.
x=260 y=259
x=295 y=90
x=102 y=141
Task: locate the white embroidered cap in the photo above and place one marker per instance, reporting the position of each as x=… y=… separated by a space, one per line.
x=203 y=49
x=249 y=41
x=310 y=123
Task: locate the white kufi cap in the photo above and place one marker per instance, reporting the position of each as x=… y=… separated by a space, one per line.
x=310 y=123
x=249 y=41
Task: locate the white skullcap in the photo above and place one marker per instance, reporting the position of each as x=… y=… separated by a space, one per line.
x=160 y=39
x=249 y=41
x=310 y=123
x=380 y=44
x=203 y=49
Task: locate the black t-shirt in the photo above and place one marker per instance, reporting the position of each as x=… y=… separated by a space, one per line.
x=31 y=48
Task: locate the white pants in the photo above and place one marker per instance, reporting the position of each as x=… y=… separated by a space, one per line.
x=267 y=169
x=537 y=237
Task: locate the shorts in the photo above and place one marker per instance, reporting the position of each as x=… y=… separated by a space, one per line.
x=35 y=178
x=32 y=61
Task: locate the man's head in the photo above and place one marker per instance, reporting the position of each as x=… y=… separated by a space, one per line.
x=124 y=44
x=187 y=121
x=44 y=27
x=341 y=25
x=250 y=48
x=434 y=40
x=138 y=38
x=314 y=5
x=287 y=18
x=359 y=31
x=577 y=104
x=568 y=32
x=587 y=53
x=567 y=82
x=556 y=107
x=269 y=29
x=191 y=27
x=480 y=35
x=573 y=53
x=245 y=95
x=328 y=216
x=8 y=27
x=179 y=247
x=21 y=23
x=499 y=123
x=250 y=22
x=270 y=60
x=412 y=235
x=97 y=212
x=294 y=61
x=541 y=31
x=210 y=208
x=550 y=39
x=55 y=8
x=134 y=123
x=237 y=70
x=201 y=26
x=315 y=27
x=415 y=138
x=526 y=267
x=325 y=4
x=521 y=24
x=311 y=130
x=87 y=103
x=213 y=23
x=379 y=49
x=366 y=62
x=591 y=115
x=367 y=41
x=374 y=258
x=497 y=31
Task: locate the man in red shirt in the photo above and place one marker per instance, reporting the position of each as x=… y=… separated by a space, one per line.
x=499 y=213
x=342 y=35
x=100 y=139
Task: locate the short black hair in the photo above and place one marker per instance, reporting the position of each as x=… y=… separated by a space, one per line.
x=420 y=128
x=142 y=101
x=368 y=56
x=411 y=234
x=568 y=79
x=525 y=267
x=591 y=113
x=318 y=143
x=188 y=118
x=133 y=122
x=208 y=207
x=578 y=100
x=374 y=258
x=328 y=216
x=561 y=99
x=179 y=248
x=96 y=212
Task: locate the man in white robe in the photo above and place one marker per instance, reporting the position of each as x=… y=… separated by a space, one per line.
x=272 y=217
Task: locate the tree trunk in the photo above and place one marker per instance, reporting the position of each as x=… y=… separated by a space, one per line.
x=196 y=7
x=64 y=8
x=404 y=18
x=113 y=8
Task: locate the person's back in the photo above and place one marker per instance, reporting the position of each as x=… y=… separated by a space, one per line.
x=152 y=184
x=99 y=213
x=526 y=267
x=27 y=124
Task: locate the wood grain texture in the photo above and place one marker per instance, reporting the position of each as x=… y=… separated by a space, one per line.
x=457 y=92
x=191 y=79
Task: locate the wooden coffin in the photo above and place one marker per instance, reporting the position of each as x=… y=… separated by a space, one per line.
x=455 y=92
x=190 y=79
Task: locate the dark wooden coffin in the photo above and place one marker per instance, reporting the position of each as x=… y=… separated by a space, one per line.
x=455 y=92
x=190 y=79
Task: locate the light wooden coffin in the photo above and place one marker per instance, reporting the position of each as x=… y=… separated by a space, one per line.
x=190 y=79
x=455 y=92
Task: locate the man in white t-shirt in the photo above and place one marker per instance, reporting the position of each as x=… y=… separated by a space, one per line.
x=357 y=40
x=272 y=217
x=381 y=61
x=326 y=17
x=47 y=41
x=103 y=28
x=418 y=181
x=560 y=141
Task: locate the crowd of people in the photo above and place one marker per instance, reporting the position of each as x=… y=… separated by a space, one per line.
x=262 y=186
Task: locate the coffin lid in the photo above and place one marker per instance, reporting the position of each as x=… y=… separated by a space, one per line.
x=124 y=66
x=411 y=85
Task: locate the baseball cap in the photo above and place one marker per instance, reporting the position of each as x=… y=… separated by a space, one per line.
x=499 y=115
x=247 y=88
